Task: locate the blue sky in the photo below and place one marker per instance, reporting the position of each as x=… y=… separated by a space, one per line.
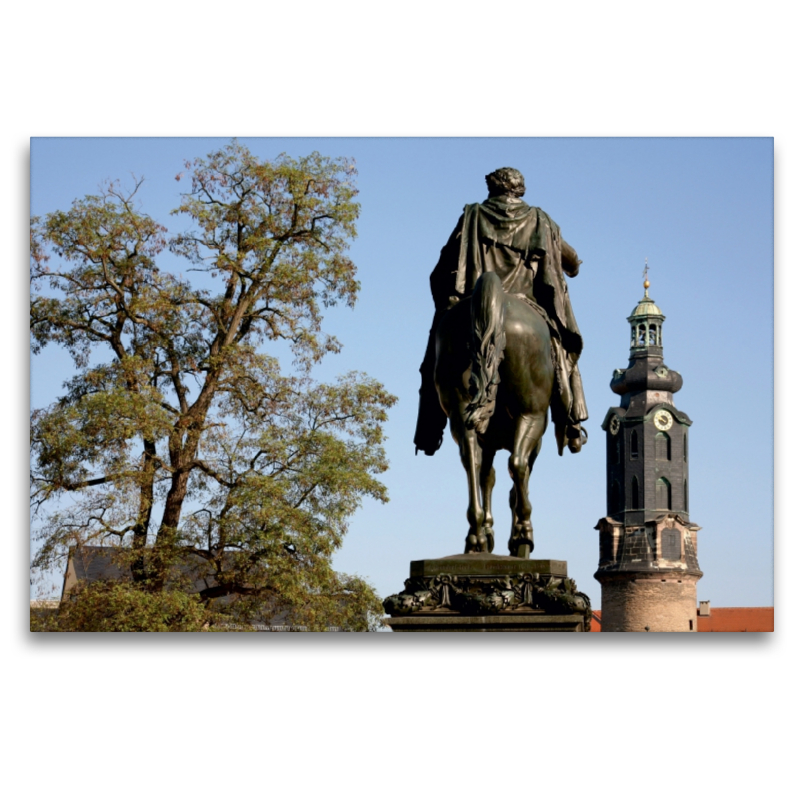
x=699 y=209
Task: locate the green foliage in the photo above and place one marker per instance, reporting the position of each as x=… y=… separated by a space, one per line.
x=127 y=607
x=179 y=437
x=118 y=607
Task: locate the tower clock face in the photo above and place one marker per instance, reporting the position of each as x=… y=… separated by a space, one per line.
x=613 y=426
x=663 y=420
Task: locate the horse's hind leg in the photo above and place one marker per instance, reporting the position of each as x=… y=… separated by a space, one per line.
x=487 y=485
x=471 y=459
x=527 y=443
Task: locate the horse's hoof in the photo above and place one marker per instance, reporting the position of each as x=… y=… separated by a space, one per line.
x=471 y=544
x=576 y=438
x=520 y=547
x=489 y=532
x=521 y=542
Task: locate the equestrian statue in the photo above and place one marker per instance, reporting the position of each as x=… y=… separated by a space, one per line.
x=503 y=348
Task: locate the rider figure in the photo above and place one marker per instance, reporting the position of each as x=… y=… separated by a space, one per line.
x=524 y=247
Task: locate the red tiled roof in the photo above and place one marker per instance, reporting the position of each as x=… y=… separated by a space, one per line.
x=737 y=619
x=721 y=620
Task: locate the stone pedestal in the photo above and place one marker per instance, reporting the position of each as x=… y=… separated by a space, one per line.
x=483 y=592
x=498 y=622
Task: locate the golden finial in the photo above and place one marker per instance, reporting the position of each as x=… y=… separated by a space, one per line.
x=646 y=282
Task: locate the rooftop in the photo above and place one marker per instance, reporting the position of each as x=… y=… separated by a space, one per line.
x=722 y=620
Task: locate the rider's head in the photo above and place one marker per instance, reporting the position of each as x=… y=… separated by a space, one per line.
x=505 y=180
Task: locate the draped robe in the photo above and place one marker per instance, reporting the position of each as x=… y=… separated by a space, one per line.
x=525 y=248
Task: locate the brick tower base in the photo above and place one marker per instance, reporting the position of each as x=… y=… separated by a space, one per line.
x=656 y=603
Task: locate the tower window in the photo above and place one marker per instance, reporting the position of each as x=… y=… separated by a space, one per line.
x=663 y=494
x=613 y=451
x=635 y=492
x=642 y=337
x=606 y=547
x=686 y=497
x=634 y=444
x=653 y=340
x=663 y=447
x=685 y=446
x=671 y=544
x=613 y=502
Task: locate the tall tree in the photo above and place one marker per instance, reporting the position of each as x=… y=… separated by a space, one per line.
x=179 y=437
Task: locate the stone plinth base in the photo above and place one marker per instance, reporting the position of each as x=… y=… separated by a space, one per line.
x=483 y=592
x=486 y=565
x=496 y=623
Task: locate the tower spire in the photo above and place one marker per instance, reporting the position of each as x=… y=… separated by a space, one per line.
x=646 y=320
x=648 y=566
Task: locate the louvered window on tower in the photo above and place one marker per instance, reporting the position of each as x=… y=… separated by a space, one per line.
x=671 y=544
x=663 y=447
x=614 y=499
x=634 y=492
x=634 y=444
x=663 y=494
x=606 y=546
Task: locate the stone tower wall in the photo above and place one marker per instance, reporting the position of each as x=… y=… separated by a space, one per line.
x=663 y=605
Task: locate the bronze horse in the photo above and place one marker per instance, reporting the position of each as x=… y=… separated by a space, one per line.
x=494 y=375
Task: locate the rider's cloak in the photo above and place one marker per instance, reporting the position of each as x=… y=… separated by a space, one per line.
x=524 y=247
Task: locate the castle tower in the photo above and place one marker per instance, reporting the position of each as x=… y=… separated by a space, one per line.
x=648 y=547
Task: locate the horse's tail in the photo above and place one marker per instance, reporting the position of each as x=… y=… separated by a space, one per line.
x=487 y=342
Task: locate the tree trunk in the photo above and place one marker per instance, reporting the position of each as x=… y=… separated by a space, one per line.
x=138 y=568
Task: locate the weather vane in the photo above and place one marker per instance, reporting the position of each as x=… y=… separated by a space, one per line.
x=644 y=274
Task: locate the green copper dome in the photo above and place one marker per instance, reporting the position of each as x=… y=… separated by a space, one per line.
x=646 y=308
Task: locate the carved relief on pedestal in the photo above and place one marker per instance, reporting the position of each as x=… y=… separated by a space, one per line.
x=490 y=595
